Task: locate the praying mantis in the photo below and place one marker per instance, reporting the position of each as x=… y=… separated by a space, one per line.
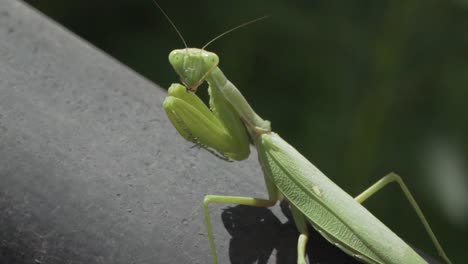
x=225 y=128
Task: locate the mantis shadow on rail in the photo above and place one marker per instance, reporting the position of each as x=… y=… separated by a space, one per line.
x=256 y=232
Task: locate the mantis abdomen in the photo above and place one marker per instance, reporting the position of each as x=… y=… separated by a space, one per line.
x=330 y=210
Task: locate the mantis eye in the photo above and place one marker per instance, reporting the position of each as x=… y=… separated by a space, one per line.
x=176 y=56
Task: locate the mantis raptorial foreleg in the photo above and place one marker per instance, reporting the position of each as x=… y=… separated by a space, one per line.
x=239 y=200
x=393 y=177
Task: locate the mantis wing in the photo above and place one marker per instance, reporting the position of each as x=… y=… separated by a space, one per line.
x=328 y=208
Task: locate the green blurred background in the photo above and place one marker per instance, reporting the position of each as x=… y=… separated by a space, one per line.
x=361 y=88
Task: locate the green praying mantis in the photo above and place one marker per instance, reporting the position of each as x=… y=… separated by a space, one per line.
x=225 y=128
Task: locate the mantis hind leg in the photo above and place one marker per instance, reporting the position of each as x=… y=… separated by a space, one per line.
x=393 y=177
x=229 y=200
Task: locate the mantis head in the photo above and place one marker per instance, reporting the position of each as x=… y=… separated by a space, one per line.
x=193 y=65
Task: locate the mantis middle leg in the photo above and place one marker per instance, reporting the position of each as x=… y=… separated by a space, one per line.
x=230 y=200
x=301 y=224
x=393 y=177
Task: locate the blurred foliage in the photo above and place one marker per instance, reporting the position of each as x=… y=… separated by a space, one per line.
x=361 y=88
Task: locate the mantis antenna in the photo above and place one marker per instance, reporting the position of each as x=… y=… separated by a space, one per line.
x=215 y=38
x=172 y=23
x=232 y=29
